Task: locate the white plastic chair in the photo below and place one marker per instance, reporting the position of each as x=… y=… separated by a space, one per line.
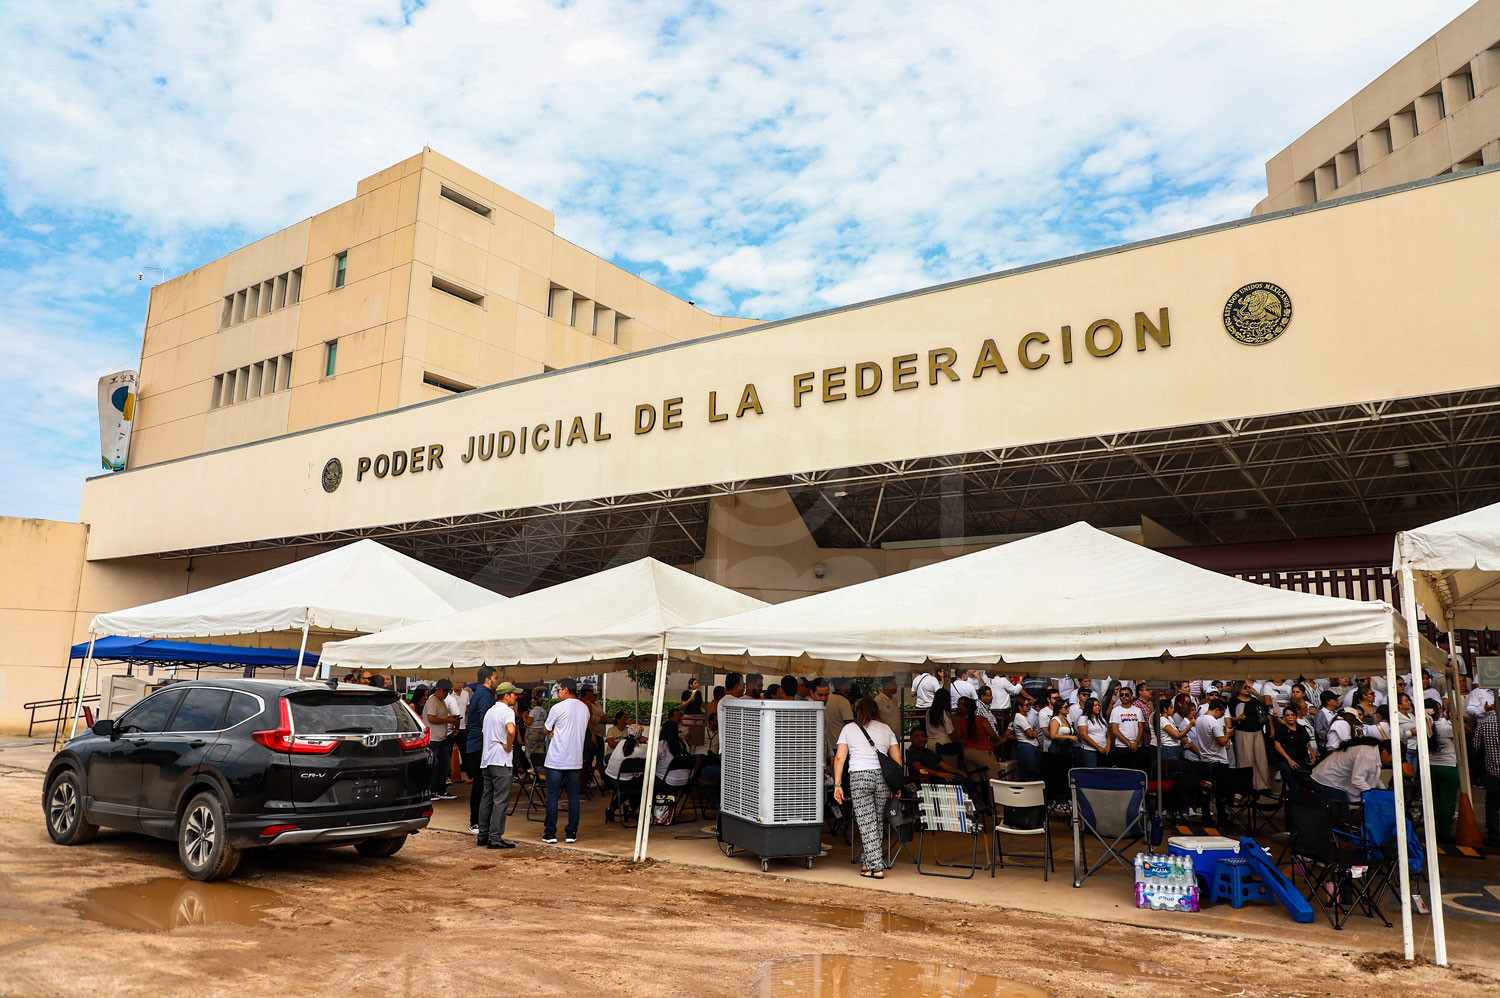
x=1022 y=795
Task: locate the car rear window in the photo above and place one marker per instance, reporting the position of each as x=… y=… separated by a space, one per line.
x=328 y=713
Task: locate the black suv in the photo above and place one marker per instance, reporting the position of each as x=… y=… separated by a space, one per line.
x=224 y=765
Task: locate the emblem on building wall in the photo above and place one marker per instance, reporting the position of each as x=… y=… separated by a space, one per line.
x=333 y=474
x=1258 y=313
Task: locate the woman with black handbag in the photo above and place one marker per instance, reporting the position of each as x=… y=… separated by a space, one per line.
x=869 y=748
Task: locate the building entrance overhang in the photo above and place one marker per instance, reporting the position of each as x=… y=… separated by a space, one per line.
x=1357 y=469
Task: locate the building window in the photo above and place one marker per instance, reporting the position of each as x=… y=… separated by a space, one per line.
x=446 y=384
x=459 y=198
x=457 y=291
x=330 y=357
x=340 y=266
x=284 y=372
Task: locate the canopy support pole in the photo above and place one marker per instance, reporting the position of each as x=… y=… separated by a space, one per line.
x=301 y=651
x=1424 y=772
x=88 y=661
x=1398 y=789
x=1456 y=714
x=653 y=746
x=1160 y=814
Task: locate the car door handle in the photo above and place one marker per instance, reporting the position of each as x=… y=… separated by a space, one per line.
x=197 y=743
x=138 y=742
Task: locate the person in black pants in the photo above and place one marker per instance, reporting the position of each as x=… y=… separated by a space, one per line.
x=473 y=746
x=441 y=723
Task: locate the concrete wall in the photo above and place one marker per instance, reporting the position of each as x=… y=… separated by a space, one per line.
x=543 y=303
x=1416 y=120
x=1389 y=294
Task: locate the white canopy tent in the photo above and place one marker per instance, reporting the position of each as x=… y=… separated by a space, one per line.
x=1070 y=600
x=1451 y=571
x=619 y=614
x=357 y=588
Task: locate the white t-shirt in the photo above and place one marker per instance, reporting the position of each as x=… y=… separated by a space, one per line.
x=618 y=757
x=1175 y=721
x=923 y=687
x=1279 y=692
x=435 y=706
x=460 y=702
x=568 y=720
x=1003 y=688
x=1097 y=731
x=1023 y=722
x=1443 y=752
x=1129 y=719
x=965 y=688
x=1339 y=732
x=1078 y=694
x=664 y=772
x=1353 y=771
x=495 y=721
x=1207 y=731
x=861 y=754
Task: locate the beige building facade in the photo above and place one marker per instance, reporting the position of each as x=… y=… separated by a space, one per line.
x=1436 y=111
x=431 y=281
x=430 y=365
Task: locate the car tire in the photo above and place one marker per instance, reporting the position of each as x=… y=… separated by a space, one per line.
x=62 y=803
x=380 y=848
x=203 y=844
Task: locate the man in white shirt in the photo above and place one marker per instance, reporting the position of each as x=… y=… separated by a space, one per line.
x=1004 y=688
x=1212 y=731
x=1479 y=701
x=1080 y=692
x=889 y=708
x=1127 y=722
x=923 y=686
x=497 y=764
x=567 y=724
x=1353 y=770
x=964 y=686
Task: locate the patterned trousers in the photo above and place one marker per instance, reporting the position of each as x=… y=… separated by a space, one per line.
x=867 y=794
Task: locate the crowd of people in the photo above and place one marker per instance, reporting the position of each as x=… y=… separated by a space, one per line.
x=1333 y=737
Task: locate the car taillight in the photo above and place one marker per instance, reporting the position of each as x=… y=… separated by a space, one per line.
x=421 y=739
x=282 y=740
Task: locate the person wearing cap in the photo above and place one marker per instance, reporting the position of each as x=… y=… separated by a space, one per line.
x=567 y=725
x=438 y=718
x=497 y=765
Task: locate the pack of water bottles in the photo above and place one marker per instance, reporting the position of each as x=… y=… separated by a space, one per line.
x=1165 y=883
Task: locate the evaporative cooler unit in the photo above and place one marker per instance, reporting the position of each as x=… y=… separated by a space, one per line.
x=772 y=778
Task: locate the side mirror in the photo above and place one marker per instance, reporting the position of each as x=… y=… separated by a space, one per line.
x=104 y=728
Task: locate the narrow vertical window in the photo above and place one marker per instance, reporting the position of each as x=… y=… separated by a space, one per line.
x=340 y=265
x=330 y=357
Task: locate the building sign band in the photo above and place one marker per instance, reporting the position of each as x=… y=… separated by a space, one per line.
x=1255 y=307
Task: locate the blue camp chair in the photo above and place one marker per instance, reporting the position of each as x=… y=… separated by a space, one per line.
x=1377 y=842
x=1111 y=805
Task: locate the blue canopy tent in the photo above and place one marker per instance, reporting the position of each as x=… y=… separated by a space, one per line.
x=189 y=653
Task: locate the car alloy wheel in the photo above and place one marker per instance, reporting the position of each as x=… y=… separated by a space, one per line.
x=62 y=807
x=200 y=836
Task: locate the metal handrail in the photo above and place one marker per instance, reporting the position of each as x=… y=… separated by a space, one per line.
x=63 y=705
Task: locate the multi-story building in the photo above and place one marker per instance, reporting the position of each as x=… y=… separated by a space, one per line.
x=1436 y=111
x=432 y=280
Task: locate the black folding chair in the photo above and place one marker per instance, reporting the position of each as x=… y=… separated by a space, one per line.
x=1111 y=805
x=536 y=797
x=1243 y=806
x=625 y=799
x=1328 y=863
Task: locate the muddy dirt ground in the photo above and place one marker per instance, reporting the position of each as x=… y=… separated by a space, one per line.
x=443 y=917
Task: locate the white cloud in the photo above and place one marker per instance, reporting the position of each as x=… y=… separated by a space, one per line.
x=760 y=158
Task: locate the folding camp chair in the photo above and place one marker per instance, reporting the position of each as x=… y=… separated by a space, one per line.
x=1021 y=809
x=1241 y=805
x=625 y=800
x=1111 y=805
x=1328 y=864
x=1377 y=843
x=948 y=808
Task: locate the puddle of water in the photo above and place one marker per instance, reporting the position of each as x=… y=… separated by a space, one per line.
x=166 y=903
x=875 y=919
x=838 y=976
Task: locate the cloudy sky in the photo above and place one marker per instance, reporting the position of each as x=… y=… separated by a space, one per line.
x=762 y=159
